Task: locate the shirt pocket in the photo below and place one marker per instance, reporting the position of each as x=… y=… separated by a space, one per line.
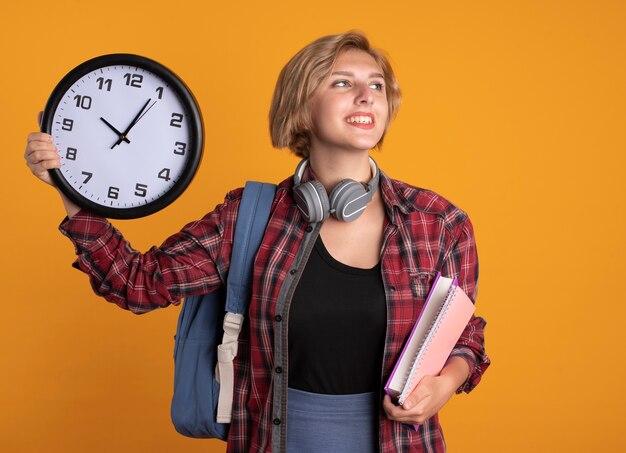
x=421 y=282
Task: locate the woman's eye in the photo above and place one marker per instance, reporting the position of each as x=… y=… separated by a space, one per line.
x=377 y=86
x=341 y=83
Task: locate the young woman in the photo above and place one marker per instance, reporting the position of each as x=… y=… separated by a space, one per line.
x=339 y=280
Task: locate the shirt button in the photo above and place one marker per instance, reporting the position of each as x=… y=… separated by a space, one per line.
x=309 y=229
x=293 y=271
x=392 y=288
x=279 y=370
x=278 y=318
x=276 y=421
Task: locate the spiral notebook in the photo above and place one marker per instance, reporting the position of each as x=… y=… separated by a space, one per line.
x=446 y=312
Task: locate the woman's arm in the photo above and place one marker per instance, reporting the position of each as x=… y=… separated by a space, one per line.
x=468 y=361
x=462 y=264
x=192 y=261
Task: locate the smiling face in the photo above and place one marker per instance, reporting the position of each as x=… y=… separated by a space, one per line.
x=349 y=110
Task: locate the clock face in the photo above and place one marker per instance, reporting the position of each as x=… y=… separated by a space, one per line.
x=129 y=133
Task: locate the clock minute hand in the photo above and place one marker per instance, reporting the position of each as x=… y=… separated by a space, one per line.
x=119 y=134
x=130 y=126
x=144 y=113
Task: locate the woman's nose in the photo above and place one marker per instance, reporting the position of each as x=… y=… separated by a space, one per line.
x=364 y=95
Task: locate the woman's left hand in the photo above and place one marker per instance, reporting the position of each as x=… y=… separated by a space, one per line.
x=430 y=394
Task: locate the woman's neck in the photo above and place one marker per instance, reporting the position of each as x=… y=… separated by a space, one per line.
x=331 y=168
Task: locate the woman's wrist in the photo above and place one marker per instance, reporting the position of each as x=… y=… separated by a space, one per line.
x=70 y=207
x=455 y=373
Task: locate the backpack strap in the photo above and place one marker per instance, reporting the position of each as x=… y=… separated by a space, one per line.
x=252 y=219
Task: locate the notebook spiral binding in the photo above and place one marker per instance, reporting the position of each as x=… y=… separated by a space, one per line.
x=423 y=347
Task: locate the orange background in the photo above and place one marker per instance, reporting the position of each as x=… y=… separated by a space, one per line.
x=514 y=110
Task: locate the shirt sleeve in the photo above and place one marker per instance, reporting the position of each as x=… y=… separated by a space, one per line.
x=192 y=261
x=462 y=263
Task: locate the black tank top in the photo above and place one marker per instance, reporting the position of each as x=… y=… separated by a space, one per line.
x=337 y=326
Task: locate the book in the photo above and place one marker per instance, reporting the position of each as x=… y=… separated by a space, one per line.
x=446 y=312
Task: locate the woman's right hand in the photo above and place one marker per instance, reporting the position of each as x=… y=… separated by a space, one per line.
x=41 y=155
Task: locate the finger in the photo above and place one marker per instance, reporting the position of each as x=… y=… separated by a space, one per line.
x=42 y=156
x=411 y=401
x=419 y=411
x=393 y=412
x=419 y=393
x=400 y=414
x=37 y=150
x=40 y=170
x=39 y=137
x=45 y=165
x=388 y=406
x=40 y=147
x=39 y=157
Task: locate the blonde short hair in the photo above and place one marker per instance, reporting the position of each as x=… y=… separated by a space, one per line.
x=290 y=113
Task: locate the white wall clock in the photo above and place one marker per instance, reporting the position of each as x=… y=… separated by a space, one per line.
x=129 y=132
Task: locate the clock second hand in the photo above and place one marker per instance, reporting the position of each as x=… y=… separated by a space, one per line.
x=148 y=109
x=119 y=134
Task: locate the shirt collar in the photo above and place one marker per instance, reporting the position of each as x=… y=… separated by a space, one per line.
x=394 y=196
x=392 y=191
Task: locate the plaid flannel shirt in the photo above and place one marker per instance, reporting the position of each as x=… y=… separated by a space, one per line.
x=423 y=234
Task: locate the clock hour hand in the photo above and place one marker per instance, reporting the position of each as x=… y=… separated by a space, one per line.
x=119 y=134
x=134 y=121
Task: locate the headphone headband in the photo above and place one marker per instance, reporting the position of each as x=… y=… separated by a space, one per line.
x=372 y=185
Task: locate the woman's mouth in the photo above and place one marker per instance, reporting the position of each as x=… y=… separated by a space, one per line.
x=361 y=120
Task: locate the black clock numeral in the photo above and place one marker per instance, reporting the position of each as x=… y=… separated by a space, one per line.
x=70 y=154
x=160 y=91
x=141 y=190
x=113 y=192
x=177 y=120
x=68 y=124
x=101 y=82
x=133 y=80
x=165 y=174
x=180 y=148
x=88 y=176
x=84 y=102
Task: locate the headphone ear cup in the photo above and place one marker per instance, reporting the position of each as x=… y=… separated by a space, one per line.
x=312 y=201
x=348 y=200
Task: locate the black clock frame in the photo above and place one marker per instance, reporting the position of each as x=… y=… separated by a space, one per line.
x=194 y=149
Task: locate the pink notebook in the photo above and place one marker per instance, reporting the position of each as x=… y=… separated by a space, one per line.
x=445 y=314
